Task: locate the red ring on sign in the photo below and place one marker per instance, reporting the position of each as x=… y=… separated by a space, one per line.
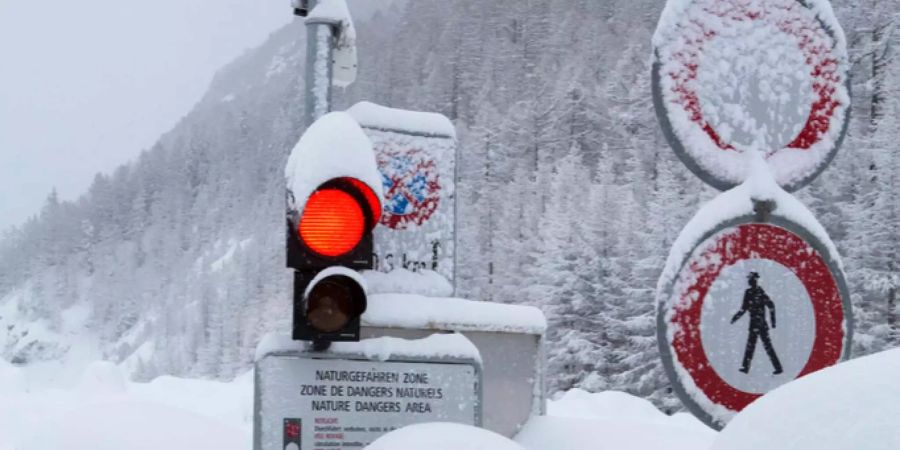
x=790 y=19
x=755 y=241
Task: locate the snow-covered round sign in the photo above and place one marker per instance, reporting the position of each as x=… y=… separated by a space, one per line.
x=732 y=76
x=753 y=305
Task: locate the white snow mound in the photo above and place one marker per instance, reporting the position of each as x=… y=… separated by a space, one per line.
x=103 y=377
x=443 y=436
x=853 y=405
x=133 y=425
x=580 y=420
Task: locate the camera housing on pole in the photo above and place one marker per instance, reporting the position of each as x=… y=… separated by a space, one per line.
x=301 y=7
x=333 y=203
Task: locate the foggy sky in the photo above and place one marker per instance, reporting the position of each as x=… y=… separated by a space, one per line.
x=86 y=85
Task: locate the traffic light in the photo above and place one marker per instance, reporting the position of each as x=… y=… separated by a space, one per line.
x=329 y=229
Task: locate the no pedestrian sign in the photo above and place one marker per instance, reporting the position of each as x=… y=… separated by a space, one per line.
x=738 y=75
x=754 y=305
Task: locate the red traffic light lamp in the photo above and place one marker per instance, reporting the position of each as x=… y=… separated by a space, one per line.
x=334 y=227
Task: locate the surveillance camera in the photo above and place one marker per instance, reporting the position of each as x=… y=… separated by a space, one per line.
x=301 y=7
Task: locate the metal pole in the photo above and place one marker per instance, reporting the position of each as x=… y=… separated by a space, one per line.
x=319 y=49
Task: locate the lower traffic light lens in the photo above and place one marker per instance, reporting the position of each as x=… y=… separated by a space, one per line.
x=332 y=223
x=331 y=304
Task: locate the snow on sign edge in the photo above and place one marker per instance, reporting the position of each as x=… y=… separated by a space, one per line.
x=737 y=202
x=734 y=204
x=334 y=146
x=673 y=9
x=438 y=345
x=371 y=115
x=420 y=312
x=692 y=144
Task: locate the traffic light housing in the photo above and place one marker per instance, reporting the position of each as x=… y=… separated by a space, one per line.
x=327 y=242
x=333 y=201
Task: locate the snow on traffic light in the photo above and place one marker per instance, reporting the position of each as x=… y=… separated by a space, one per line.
x=333 y=203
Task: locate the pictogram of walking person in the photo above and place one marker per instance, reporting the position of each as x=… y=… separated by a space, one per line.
x=756 y=302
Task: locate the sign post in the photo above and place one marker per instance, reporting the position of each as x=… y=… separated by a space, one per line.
x=753 y=97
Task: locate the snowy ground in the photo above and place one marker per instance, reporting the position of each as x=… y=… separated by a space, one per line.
x=100 y=410
x=103 y=411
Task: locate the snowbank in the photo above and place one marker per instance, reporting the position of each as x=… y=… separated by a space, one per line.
x=370 y=115
x=101 y=410
x=132 y=425
x=11 y=379
x=853 y=405
x=443 y=436
x=44 y=350
x=100 y=413
x=420 y=312
x=611 y=420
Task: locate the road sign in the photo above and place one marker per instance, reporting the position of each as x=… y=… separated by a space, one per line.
x=731 y=76
x=412 y=187
x=416 y=154
x=325 y=401
x=755 y=304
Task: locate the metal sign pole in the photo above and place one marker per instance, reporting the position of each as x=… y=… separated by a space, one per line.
x=319 y=67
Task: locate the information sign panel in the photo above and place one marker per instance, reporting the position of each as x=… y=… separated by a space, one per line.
x=416 y=155
x=753 y=306
x=752 y=75
x=327 y=403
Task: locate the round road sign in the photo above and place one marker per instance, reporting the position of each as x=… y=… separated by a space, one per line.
x=754 y=305
x=731 y=76
x=412 y=190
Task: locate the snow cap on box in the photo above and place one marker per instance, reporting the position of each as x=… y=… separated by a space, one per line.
x=332 y=147
x=371 y=115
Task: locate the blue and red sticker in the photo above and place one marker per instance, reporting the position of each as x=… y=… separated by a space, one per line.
x=412 y=190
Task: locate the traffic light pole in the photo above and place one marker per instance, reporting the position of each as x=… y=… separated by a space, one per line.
x=319 y=72
x=319 y=67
